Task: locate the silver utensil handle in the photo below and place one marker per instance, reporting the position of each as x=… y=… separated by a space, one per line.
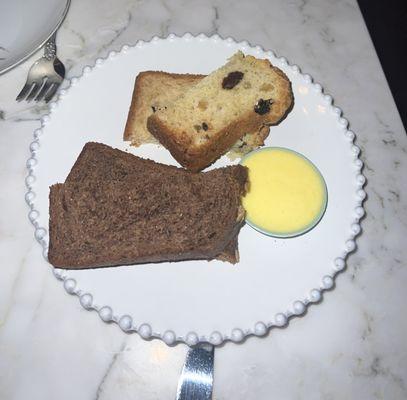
x=196 y=379
x=50 y=49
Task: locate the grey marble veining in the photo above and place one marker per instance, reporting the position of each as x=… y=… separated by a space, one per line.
x=351 y=346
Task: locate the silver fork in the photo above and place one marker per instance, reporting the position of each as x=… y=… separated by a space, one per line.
x=45 y=75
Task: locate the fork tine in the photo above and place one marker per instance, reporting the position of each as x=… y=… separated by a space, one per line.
x=47 y=85
x=24 y=91
x=51 y=92
x=34 y=91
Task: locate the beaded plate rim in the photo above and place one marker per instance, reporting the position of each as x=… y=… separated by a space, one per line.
x=237 y=334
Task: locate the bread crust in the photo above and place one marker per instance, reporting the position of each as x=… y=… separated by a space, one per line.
x=197 y=158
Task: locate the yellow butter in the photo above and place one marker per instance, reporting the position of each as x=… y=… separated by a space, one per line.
x=287 y=194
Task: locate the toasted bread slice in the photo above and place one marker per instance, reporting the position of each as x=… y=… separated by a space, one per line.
x=206 y=121
x=155 y=90
x=116 y=209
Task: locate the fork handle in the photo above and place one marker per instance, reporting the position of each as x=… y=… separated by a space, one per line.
x=50 y=49
x=196 y=379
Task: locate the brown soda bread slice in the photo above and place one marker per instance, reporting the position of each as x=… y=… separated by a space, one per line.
x=117 y=209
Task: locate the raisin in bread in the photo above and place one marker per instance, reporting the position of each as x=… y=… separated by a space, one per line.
x=155 y=90
x=115 y=209
x=207 y=120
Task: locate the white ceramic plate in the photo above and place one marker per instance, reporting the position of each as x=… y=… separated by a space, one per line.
x=25 y=25
x=199 y=300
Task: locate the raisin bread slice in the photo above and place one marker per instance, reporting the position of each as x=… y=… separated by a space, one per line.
x=155 y=90
x=207 y=120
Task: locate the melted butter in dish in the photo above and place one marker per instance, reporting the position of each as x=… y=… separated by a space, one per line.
x=287 y=195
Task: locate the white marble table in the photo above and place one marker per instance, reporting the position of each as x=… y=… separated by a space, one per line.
x=352 y=346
